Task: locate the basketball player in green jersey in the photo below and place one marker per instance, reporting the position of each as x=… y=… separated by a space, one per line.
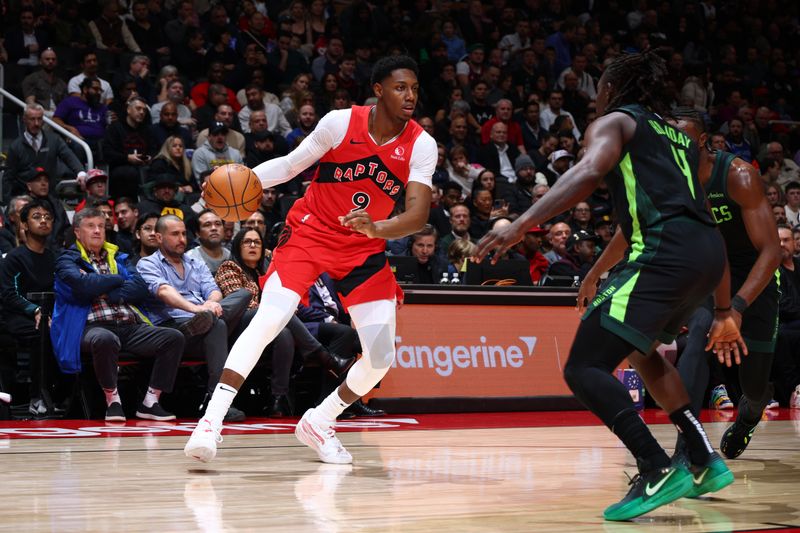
x=739 y=205
x=675 y=259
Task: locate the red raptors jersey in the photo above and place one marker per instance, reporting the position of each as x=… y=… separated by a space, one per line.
x=359 y=174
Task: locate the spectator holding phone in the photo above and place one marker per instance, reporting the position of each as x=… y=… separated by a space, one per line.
x=127 y=147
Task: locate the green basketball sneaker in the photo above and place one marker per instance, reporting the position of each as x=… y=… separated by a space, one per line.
x=735 y=439
x=710 y=477
x=650 y=490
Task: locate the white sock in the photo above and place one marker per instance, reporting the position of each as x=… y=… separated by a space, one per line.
x=220 y=403
x=151 y=397
x=329 y=409
x=112 y=395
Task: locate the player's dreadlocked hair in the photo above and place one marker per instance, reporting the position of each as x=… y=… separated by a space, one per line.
x=639 y=78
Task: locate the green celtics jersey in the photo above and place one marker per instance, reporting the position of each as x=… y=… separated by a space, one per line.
x=742 y=254
x=655 y=180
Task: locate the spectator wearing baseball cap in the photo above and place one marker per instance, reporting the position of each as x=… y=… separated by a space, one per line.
x=604 y=228
x=560 y=161
x=530 y=247
x=95 y=184
x=215 y=152
x=38 y=186
x=266 y=146
x=580 y=256
x=164 y=201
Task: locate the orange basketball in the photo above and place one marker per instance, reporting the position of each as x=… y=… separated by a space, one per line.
x=233 y=192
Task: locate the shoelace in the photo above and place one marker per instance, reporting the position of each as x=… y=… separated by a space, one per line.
x=633 y=480
x=331 y=435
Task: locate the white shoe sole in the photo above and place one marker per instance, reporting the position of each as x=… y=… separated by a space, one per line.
x=204 y=454
x=306 y=434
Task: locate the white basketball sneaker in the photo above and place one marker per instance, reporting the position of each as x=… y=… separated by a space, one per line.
x=794 y=400
x=322 y=440
x=202 y=444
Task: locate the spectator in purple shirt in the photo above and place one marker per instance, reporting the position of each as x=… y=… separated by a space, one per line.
x=84 y=116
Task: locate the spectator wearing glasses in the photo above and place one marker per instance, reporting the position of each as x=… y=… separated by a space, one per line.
x=25 y=269
x=581 y=218
x=146 y=242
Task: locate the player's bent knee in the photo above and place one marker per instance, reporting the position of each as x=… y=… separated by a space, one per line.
x=576 y=377
x=362 y=376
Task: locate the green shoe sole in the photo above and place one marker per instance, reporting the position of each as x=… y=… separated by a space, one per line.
x=678 y=487
x=712 y=483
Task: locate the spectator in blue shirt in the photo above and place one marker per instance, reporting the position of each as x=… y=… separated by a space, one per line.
x=188 y=298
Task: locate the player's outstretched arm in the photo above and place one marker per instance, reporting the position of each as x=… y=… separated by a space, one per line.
x=282 y=169
x=418 y=204
x=605 y=138
x=747 y=190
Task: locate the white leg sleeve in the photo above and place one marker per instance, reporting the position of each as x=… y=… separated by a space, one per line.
x=278 y=304
x=376 y=323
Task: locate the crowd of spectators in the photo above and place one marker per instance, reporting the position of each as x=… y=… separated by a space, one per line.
x=164 y=91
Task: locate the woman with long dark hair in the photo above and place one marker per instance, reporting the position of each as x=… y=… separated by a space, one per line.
x=243 y=271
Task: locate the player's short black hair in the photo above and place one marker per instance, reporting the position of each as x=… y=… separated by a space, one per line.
x=792 y=185
x=386 y=65
x=690 y=114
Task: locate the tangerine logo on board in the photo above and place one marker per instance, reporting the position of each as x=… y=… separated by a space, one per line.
x=445 y=359
x=489 y=351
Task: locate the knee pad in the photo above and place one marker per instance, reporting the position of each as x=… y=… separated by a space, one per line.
x=277 y=307
x=375 y=323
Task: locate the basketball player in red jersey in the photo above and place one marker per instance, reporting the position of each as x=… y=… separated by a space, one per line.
x=368 y=157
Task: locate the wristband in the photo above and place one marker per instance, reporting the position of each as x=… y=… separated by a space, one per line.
x=739 y=304
x=722 y=309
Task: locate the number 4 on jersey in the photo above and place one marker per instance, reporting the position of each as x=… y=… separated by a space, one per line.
x=680 y=159
x=360 y=201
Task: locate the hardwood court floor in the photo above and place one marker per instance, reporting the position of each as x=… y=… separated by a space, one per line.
x=407 y=480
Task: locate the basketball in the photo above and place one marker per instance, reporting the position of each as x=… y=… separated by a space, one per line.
x=233 y=192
